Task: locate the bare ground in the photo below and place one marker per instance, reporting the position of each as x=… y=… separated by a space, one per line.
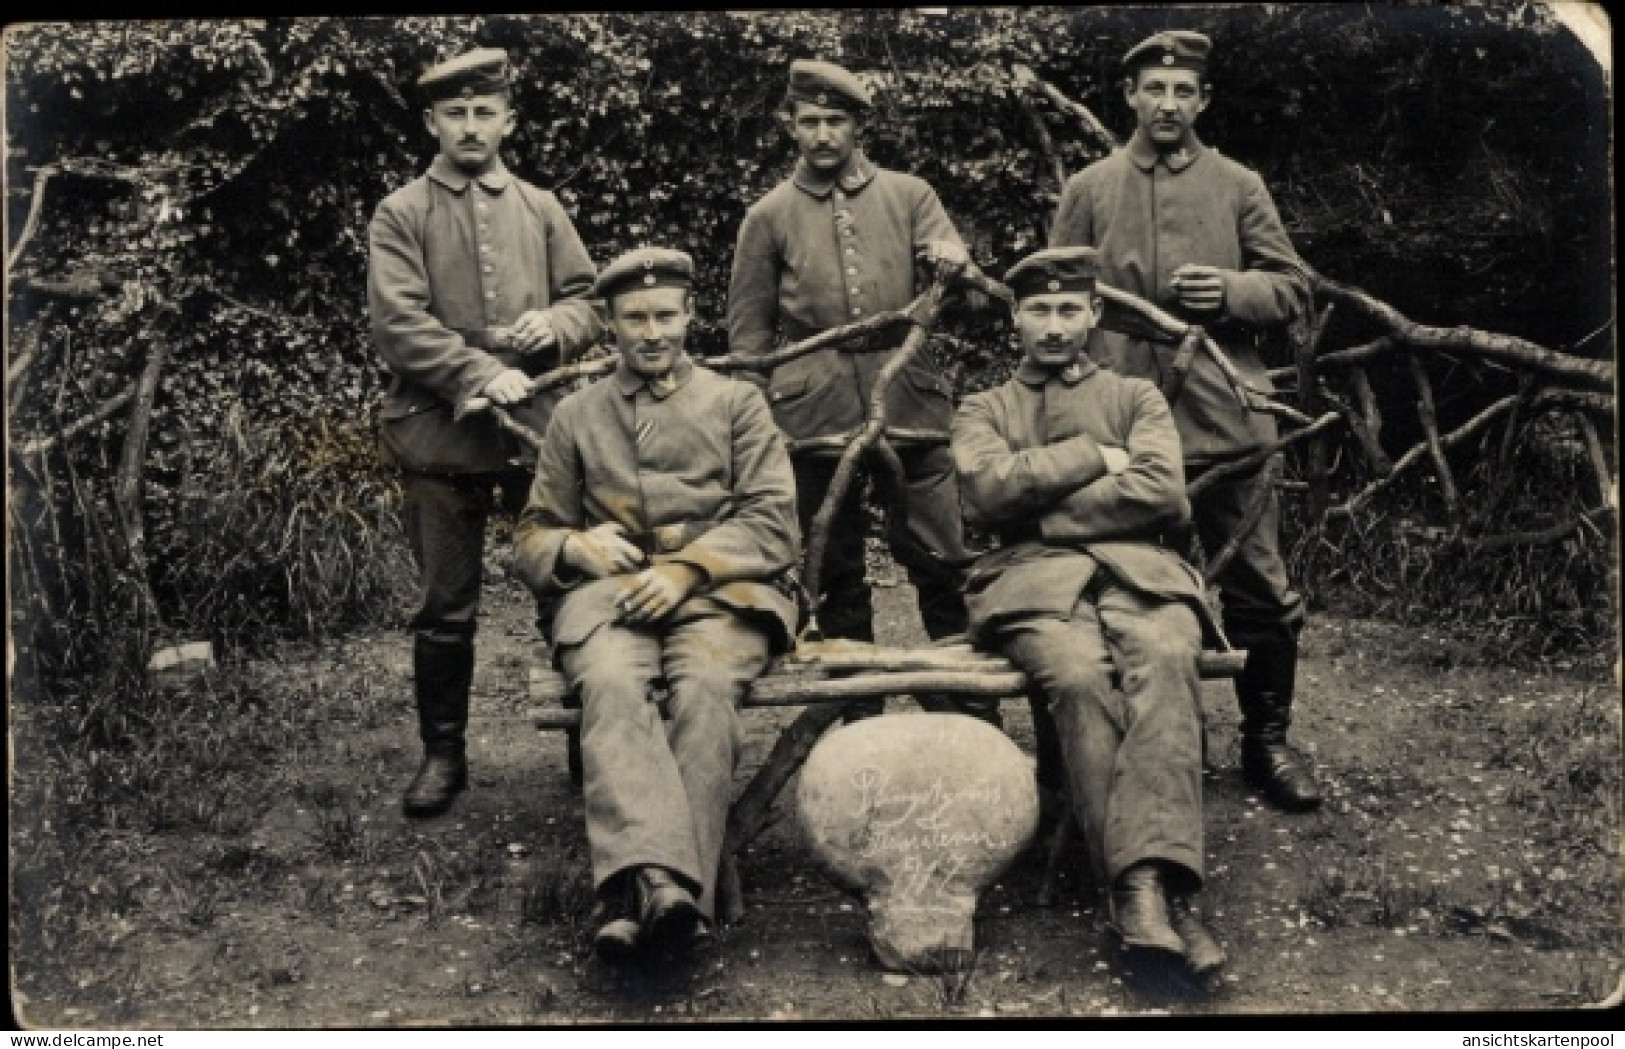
x=1467 y=859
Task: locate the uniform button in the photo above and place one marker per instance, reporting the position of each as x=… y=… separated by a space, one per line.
x=485 y=249
x=851 y=251
x=839 y=195
x=490 y=268
x=490 y=294
x=857 y=311
x=482 y=205
x=855 y=290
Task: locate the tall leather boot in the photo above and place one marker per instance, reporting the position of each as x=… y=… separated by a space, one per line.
x=442 y=671
x=1264 y=689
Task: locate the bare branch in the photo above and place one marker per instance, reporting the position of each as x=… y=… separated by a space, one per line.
x=1507 y=349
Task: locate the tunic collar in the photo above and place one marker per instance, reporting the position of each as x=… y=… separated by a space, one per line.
x=1145 y=155
x=629 y=382
x=449 y=175
x=859 y=173
x=1036 y=376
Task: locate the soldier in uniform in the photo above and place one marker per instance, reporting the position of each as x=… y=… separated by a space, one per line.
x=476 y=281
x=1077 y=471
x=1197 y=234
x=663 y=521
x=834 y=244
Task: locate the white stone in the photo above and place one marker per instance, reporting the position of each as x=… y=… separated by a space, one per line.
x=918 y=813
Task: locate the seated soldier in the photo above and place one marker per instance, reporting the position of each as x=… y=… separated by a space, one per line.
x=1076 y=470
x=663 y=518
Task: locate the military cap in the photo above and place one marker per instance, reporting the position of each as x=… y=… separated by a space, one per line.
x=483 y=71
x=1170 y=49
x=1054 y=270
x=645 y=268
x=827 y=84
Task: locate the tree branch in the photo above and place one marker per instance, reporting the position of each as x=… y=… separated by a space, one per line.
x=1507 y=349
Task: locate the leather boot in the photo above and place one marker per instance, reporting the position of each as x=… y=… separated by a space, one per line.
x=1264 y=689
x=1202 y=952
x=1139 y=911
x=666 y=911
x=616 y=939
x=442 y=672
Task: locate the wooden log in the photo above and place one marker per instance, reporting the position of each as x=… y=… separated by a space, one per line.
x=1309 y=404
x=1600 y=473
x=908 y=437
x=792 y=691
x=1560 y=397
x=1505 y=349
x=881 y=324
x=988 y=676
x=1026 y=80
x=754 y=807
x=1417 y=451
x=36 y=204
x=1260 y=457
x=102 y=412
x=1430 y=432
x=507 y=422
x=130 y=483
x=548 y=380
x=810 y=657
x=1350 y=357
x=927 y=307
x=1249 y=522
x=1371 y=423
x=1539 y=536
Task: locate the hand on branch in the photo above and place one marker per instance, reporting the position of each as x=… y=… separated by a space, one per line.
x=510 y=387
x=654 y=593
x=601 y=552
x=949 y=258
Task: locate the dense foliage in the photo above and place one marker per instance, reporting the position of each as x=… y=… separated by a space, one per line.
x=1450 y=160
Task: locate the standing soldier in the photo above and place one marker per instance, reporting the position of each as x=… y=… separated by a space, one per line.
x=476 y=281
x=1197 y=234
x=663 y=521
x=834 y=244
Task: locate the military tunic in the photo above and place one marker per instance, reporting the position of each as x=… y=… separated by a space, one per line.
x=813 y=255
x=695 y=472
x=1080 y=588
x=452 y=257
x=1149 y=214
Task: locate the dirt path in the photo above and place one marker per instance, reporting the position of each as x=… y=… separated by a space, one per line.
x=1463 y=861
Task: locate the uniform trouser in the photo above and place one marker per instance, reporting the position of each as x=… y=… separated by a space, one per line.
x=660 y=795
x=931 y=548
x=1133 y=753
x=1256 y=595
x=445 y=518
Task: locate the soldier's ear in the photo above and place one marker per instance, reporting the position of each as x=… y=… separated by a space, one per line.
x=1206 y=96
x=428 y=121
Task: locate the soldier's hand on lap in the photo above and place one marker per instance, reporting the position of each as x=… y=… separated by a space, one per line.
x=602 y=551
x=1117 y=459
x=1199 y=287
x=511 y=387
x=654 y=593
x=533 y=332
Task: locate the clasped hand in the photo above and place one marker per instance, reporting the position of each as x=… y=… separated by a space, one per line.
x=647 y=597
x=1199 y=288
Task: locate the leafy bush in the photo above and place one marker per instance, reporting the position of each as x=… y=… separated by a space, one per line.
x=220 y=175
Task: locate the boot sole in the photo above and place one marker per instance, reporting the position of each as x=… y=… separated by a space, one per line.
x=616 y=948
x=673 y=926
x=423 y=812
